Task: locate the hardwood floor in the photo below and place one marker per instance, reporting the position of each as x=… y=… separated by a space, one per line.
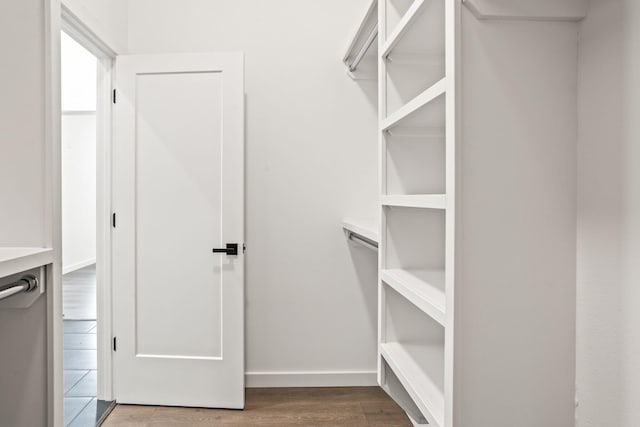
x=79 y=294
x=341 y=406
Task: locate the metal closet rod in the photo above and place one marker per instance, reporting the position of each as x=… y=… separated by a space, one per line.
x=27 y=283
x=362 y=240
x=363 y=50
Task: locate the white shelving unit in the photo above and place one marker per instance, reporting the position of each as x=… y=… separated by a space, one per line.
x=416 y=189
x=429 y=293
x=466 y=267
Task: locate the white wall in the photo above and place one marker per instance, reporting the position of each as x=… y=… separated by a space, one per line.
x=79 y=69
x=78 y=191
x=24 y=204
x=311 y=161
x=106 y=18
x=79 y=88
x=608 y=341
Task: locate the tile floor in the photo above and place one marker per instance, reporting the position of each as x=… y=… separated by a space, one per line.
x=80 y=379
x=81 y=407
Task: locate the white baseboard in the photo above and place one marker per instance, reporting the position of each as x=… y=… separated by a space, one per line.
x=311 y=379
x=77 y=266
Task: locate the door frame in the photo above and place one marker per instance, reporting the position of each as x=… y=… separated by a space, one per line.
x=82 y=33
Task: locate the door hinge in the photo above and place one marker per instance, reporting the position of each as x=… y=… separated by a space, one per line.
x=114 y=96
x=113 y=220
x=115 y=346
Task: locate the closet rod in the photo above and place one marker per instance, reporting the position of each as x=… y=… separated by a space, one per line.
x=363 y=51
x=362 y=240
x=26 y=283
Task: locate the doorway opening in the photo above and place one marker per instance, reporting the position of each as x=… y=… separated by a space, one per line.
x=82 y=263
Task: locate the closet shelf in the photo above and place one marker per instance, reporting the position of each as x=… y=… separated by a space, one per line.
x=15 y=260
x=423 y=288
x=403 y=26
x=423 y=201
x=364 y=38
x=431 y=133
x=533 y=10
x=403 y=359
x=364 y=236
x=367 y=232
x=415 y=104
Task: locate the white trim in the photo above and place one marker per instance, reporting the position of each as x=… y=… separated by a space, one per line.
x=78 y=265
x=311 y=379
x=78 y=112
x=83 y=34
x=53 y=213
x=103 y=229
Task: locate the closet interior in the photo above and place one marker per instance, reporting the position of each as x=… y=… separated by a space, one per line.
x=465 y=171
x=457 y=199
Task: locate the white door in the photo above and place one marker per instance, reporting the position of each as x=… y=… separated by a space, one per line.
x=178 y=193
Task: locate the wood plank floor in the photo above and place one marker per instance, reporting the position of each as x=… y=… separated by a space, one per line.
x=79 y=294
x=341 y=406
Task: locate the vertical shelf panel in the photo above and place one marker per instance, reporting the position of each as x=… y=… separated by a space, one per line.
x=417 y=102
x=452 y=55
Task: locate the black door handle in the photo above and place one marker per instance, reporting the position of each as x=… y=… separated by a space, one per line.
x=231 y=249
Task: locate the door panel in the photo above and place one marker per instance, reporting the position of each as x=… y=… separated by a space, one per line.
x=178 y=193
